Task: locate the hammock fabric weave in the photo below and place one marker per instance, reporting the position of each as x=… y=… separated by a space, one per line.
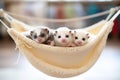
x=60 y=61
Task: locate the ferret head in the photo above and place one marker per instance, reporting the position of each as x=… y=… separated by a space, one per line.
x=39 y=35
x=62 y=36
x=81 y=37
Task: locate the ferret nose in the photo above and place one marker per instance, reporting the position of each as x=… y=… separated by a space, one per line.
x=79 y=42
x=40 y=40
x=64 y=40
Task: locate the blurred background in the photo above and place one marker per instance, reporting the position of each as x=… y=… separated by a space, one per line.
x=106 y=68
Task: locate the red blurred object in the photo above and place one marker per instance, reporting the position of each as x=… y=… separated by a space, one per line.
x=115 y=29
x=60 y=11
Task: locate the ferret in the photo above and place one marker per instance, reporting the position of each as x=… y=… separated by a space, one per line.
x=63 y=37
x=40 y=35
x=81 y=37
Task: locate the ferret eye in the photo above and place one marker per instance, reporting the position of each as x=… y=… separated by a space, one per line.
x=59 y=36
x=76 y=37
x=67 y=36
x=35 y=36
x=42 y=35
x=83 y=39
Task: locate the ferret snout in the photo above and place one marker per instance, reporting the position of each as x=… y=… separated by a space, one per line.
x=79 y=42
x=40 y=40
x=64 y=40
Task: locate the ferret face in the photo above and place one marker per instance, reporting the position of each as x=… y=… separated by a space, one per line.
x=80 y=37
x=39 y=35
x=63 y=36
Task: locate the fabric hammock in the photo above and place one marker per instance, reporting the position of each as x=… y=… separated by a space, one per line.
x=61 y=61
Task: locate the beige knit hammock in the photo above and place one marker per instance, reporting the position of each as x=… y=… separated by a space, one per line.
x=61 y=61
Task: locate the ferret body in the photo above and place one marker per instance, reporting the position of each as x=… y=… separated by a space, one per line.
x=40 y=35
x=81 y=37
x=60 y=37
x=63 y=37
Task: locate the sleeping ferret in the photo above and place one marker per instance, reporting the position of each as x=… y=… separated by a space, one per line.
x=40 y=35
x=80 y=37
x=63 y=37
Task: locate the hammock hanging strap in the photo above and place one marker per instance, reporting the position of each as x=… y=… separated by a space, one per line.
x=111 y=11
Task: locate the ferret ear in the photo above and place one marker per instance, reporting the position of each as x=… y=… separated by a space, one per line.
x=71 y=33
x=31 y=32
x=46 y=30
x=88 y=35
x=55 y=33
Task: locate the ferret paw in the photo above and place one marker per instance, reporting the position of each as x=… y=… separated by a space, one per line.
x=71 y=45
x=52 y=43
